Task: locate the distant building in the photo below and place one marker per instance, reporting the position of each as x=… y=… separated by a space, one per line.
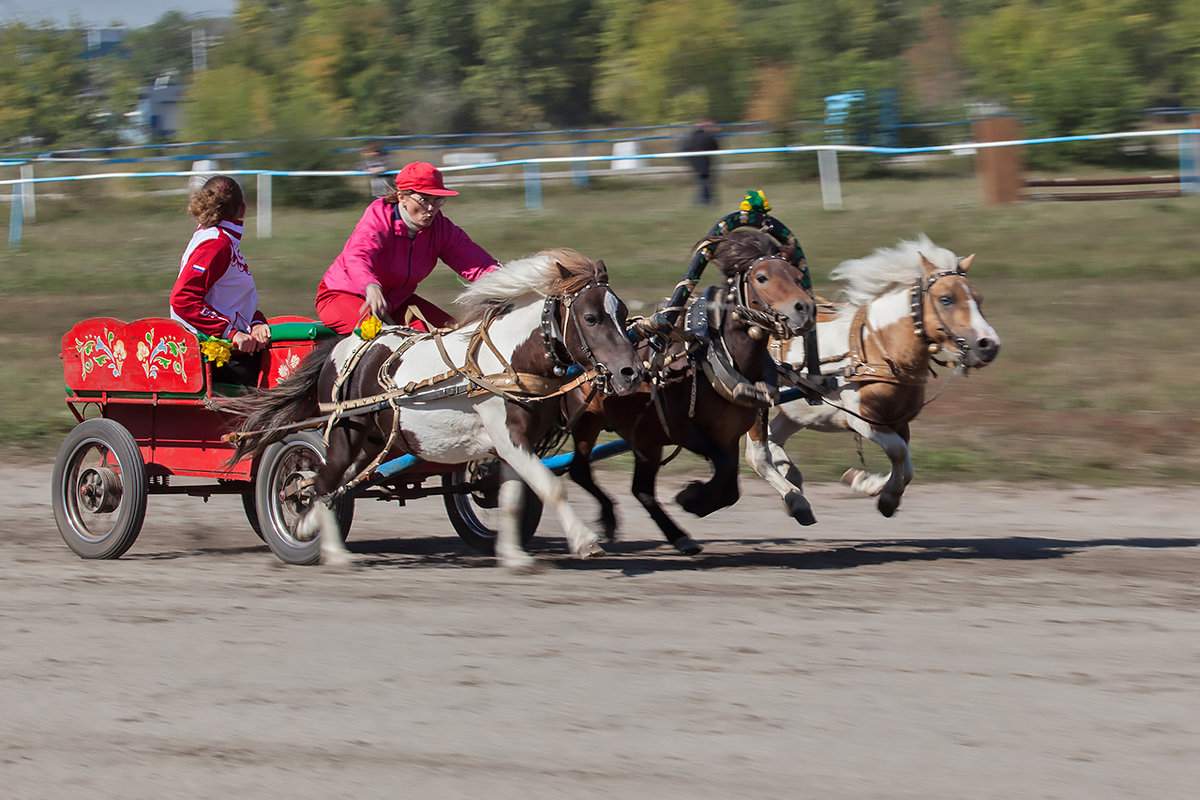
x=158 y=108
x=104 y=41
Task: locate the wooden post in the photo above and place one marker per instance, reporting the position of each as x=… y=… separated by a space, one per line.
x=999 y=169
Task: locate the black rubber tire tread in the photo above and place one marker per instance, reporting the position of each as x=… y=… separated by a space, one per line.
x=461 y=509
x=131 y=508
x=302 y=449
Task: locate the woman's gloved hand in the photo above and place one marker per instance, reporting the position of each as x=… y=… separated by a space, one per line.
x=374 y=303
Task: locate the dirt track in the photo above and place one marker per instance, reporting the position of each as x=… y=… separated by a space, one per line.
x=987 y=642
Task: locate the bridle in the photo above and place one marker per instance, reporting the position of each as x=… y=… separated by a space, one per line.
x=554 y=340
x=917 y=313
x=743 y=296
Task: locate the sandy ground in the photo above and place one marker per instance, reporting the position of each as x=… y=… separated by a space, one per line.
x=987 y=642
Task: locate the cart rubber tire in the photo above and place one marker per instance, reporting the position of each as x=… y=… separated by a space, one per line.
x=463 y=510
x=99 y=508
x=297 y=456
x=250 y=506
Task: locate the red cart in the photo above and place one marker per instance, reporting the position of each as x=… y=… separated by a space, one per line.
x=150 y=423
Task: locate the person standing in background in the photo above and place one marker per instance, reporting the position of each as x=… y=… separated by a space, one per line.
x=701 y=140
x=376 y=163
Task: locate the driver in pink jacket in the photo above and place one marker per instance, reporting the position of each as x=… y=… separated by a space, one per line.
x=397 y=242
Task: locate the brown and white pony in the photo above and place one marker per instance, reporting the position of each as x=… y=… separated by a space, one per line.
x=904 y=305
x=709 y=385
x=474 y=393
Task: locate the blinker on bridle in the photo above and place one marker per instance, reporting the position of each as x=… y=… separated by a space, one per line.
x=554 y=340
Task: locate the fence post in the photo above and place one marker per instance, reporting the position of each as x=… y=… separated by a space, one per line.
x=16 y=216
x=999 y=169
x=533 y=186
x=831 y=183
x=1189 y=158
x=263 y=215
x=28 y=194
x=579 y=169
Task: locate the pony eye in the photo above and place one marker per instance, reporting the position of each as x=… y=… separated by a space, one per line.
x=946 y=299
x=760 y=278
x=591 y=318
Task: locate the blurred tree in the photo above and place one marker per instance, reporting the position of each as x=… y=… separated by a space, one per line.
x=43 y=80
x=674 y=60
x=536 y=63
x=1068 y=65
x=439 y=41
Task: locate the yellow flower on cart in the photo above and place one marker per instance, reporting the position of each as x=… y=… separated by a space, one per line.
x=217 y=351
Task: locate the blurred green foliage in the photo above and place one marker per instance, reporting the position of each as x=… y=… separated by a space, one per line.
x=382 y=67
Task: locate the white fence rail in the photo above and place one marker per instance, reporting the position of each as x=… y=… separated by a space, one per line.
x=24 y=187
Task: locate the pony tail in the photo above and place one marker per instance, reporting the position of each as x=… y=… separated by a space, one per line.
x=265 y=413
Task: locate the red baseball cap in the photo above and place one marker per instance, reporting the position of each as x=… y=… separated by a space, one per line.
x=424 y=178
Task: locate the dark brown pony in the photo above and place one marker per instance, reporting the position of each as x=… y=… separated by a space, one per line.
x=708 y=384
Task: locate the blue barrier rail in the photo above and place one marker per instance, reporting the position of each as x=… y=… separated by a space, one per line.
x=1190 y=181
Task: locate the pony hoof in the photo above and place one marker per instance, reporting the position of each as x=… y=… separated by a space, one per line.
x=338 y=561
x=518 y=562
x=804 y=516
x=530 y=567
x=798 y=508
x=887 y=509
x=849 y=475
x=591 y=550
x=688 y=546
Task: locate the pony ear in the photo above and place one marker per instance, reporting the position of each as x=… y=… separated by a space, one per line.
x=928 y=265
x=563 y=273
x=601 y=272
x=964 y=264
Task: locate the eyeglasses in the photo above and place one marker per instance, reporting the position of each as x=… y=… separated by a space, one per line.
x=426 y=201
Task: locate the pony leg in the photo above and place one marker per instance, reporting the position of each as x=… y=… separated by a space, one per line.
x=766 y=455
x=508 y=535
x=721 y=490
x=544 y=483
x=889 y=488
x=581 y=472
x=645 y=471
x=320 y=520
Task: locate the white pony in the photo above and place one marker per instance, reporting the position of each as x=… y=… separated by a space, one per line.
x=472 y=393
x=904 y=304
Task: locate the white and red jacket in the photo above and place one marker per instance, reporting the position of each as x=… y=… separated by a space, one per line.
x=215 y=293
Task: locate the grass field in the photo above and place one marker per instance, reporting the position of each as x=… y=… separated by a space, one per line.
x=1096 y=304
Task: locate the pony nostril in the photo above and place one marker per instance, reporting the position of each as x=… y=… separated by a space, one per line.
x=988 y=348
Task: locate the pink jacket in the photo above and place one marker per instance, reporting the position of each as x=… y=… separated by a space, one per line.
x=379 y=251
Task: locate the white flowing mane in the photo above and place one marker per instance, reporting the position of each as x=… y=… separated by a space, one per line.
x=536 y=275
x=889 y=268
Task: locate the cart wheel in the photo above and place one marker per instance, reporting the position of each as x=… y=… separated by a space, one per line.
x=99 y=489
x=474 y=514
x=281 y=499
x=248 y=505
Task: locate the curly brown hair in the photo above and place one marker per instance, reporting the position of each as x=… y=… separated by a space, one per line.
x=219 y=198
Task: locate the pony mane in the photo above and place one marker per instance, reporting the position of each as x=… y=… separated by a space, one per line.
x=890 y=268
x=734 y=251
x=536 y=275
